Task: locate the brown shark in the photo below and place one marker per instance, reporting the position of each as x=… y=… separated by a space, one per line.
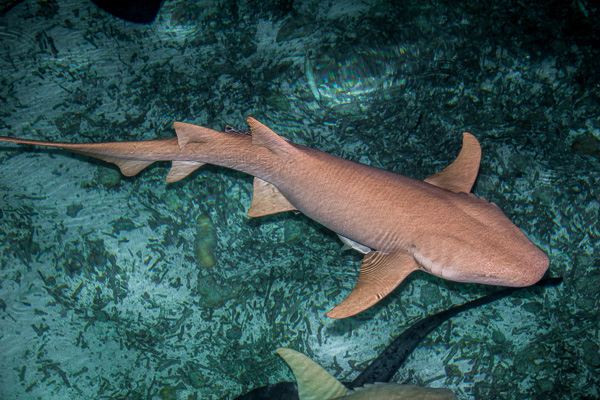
x=401 y=224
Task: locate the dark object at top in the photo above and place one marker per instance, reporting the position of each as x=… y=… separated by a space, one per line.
x=139 y=11
x=231 y=129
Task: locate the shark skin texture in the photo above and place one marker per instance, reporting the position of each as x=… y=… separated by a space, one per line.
x=400 y=224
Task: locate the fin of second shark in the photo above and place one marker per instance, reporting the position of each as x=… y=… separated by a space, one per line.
x=267 y=199
x=461 y=174
x=380 y=273
x=314 y=383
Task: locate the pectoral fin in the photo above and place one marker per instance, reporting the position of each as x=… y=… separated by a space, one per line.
x=460 y=175
x=267 y=199
x=380 y=273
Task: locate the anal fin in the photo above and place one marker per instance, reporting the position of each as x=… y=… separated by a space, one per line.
x=380 y=273
x=181 y=169
x=267 y=199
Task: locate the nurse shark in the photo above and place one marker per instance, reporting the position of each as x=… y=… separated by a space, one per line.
x=383 y=368
x=401 y=224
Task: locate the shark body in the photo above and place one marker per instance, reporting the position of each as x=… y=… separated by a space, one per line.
x=383 y=368
x=401 y=224
x=314 y=383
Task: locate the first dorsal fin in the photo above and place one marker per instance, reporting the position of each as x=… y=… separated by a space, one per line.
x=380 y=273
x=461 y=174
x=314 y=383
x=265 y=137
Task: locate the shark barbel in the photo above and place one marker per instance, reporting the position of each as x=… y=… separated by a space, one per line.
x=400 y=224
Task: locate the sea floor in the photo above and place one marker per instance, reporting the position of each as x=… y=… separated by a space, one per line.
x=107 y=284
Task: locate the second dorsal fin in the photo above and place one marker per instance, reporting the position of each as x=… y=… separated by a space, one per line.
x=189 y=133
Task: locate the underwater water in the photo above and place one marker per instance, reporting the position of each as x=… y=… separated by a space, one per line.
x=129 y=288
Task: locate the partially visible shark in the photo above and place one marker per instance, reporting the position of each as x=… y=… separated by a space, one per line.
x=383 y=368
x=314 y=383
x=401 y=224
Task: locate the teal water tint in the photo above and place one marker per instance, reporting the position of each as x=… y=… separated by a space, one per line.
x=102 y=292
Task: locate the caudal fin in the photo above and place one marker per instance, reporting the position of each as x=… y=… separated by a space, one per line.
x=128 y=166
x=130 y=157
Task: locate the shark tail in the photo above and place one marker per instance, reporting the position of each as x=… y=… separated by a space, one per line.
x=193 y=147
x=130 y=157
x=380 y=273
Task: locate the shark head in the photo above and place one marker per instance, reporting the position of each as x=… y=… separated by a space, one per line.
x=449 y=233
x=479 y=244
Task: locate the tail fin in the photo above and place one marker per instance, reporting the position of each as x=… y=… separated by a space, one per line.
x=128 y=167
x=130 y=157
x=228 y=150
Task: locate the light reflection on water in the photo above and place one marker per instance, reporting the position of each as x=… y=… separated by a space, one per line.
x=358 y=74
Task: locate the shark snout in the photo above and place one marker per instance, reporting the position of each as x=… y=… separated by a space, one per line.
x=531 y=269
x=519 y=266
